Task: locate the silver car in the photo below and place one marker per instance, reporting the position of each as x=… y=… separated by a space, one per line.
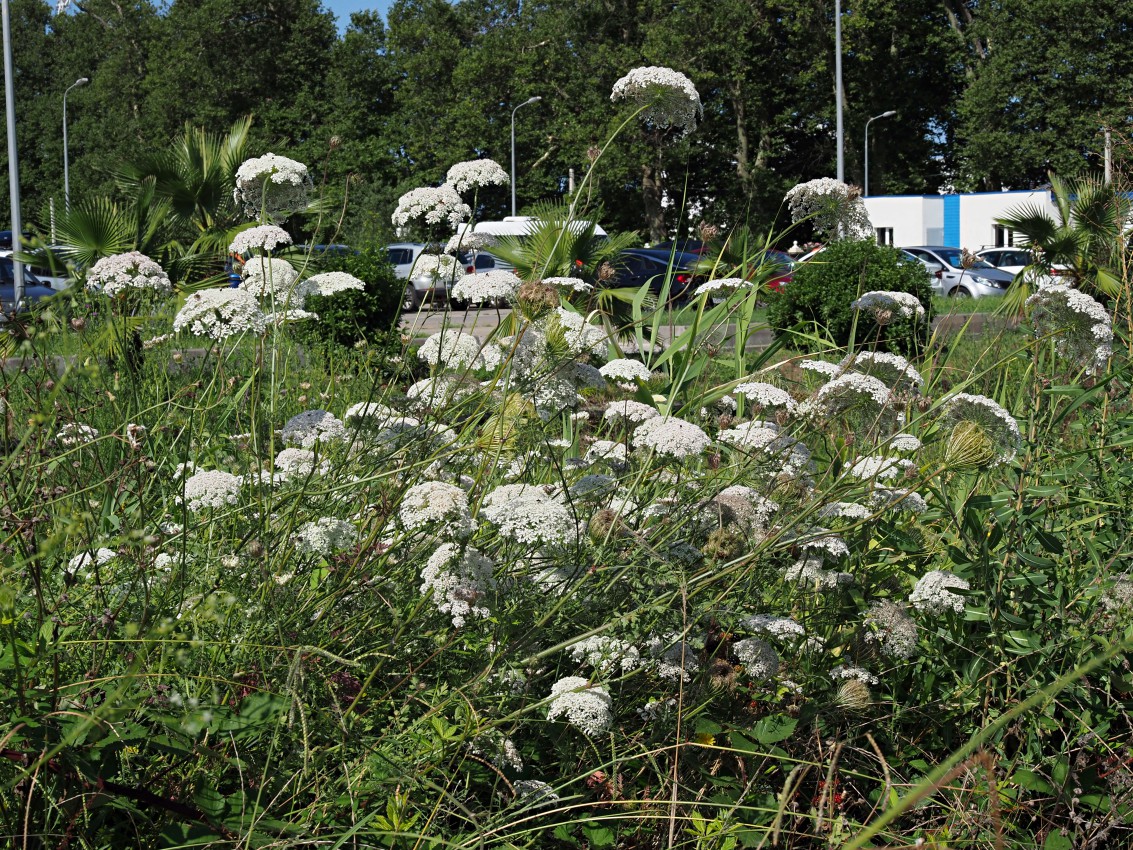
x=949 y=277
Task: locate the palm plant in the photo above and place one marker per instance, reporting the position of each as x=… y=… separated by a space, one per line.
x=1087 y=237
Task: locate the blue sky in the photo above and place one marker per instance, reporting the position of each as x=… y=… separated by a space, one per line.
x=343 y=8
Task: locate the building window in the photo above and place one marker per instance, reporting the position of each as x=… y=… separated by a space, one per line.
x=1004 y=237
x=884 y=235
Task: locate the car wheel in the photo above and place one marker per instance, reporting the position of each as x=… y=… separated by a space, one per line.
x=959 y=292
x=412 y=300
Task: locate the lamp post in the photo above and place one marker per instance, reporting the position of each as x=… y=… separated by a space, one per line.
x=13 y=162
x=525 y=103
x=889 y=114
x=81 y=81
x=838 y=90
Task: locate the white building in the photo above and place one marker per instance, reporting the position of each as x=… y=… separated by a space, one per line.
x=958 y=221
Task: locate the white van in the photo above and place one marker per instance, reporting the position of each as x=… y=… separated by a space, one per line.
x=520 y=225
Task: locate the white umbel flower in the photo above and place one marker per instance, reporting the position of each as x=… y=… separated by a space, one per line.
x=431 y=205
x=891 y=629
x=630 y=411
x=76 y=434
x=527 y=515
x=571 y=283
x=884 y=304
x=759 y=658
x=271 y=185
x=766 y=395
x=268 y=277
x=862 y=675
x=606 y=654
x=671 y=437
x=459 y=581
x=466 y=240
x=994 y=422
x=476 y=174
x=1081 y=327
x=933 y=593
x=329 y=283
x=439 y=267
x=219 y=314
x=832 y=207
x=722 y=286
x=853 y=391
x=313 y=426
x=495 y=285
x=266 y=237
x=325 y=536
x=893 y=369
x=210 y=489
x=584 y=706
x=451 y=349
x=669 y=98
x=436 y=504
x=581 y=336
x=87 y=561
x=117 y=275
x=625 y=370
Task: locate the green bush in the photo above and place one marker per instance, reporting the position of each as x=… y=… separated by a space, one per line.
x=353 y=317
x=821 y=292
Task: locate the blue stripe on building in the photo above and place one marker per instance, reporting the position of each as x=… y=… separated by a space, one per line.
x=952 y=221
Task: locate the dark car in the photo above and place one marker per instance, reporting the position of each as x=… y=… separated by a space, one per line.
x=636 y=267
x=33 y=287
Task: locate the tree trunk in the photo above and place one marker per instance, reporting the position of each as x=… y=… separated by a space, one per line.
x=653 y=192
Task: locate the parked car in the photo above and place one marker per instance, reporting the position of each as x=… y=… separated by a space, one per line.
x=1014 y=260
x=637 y=266
x=57 y=280
x=950 y=278
x=402 y=256
x=33 y=287
x=484 y=262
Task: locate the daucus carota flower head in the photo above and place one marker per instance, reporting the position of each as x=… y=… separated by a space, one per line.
x=432 y=206
x=76 y=434
x=122 y=273
x=781 y=628
x=606 y=654
x=527 y=515
x=88 y=561
x=671 y=437
x=933 y=593
x=759 y=658
x=439 y=267
x=220 y=313
x=584 y=706
x=451 y=349
x=669 y=98
x=626 y=371
x=1081 y=327
x=325 y=536
x=476 y=174
x=271 y=185
x=436 y=505
x=266 y=237
x=329 y=283
x=884 y=305
x=495 y=285
x=722 y=286
x=313 y=426
x=766 y=395
x=853 y=391
x=834 y=208
x=459 y=580
x=581 y=336
x=874 y=468
x=673 y=657
x=892 y=630
x=210 y=489
x=893 y=369
x=465 y=240
x=571 y=283
x=297 y=463
x=268 y=277
x=629 y=411
x=991 y=421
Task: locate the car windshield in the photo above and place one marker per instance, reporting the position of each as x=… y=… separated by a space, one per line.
x=952 y=257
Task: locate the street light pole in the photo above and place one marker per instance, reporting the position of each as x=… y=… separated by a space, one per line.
x=889 y=114
x=838 y=89
x=13 y=161
x=525 y=103
x=81 y=81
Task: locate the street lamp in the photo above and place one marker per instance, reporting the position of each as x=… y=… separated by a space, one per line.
x=838 y=90
x=81 y=81
x=13 y=162
x=525 y=103
x=889 y=114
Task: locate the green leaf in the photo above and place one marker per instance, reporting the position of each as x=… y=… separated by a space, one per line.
x=775 y=728
x=1055 y=840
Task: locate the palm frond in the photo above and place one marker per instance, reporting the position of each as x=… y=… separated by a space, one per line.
x=1032 y=221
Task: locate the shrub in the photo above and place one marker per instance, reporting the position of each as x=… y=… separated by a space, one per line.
x=352 y=317
x=822 y=291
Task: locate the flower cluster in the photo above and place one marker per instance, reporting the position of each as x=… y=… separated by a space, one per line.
x=465 y=240
x=586 y=707
x=117 y=275
x=476 y=174
x=891 y=629
x=759 y=658
x=722 y=286
x=766 y=395
x=606 y=654
x=431 y=205
x=667 y=97
x=266 y=237
x=671 y=437
x=527 y=515
x=269 y=278
x=272 y=186
x=992 y=422
x=311 y=427
x=459 y=580
x=436 y=266
x=884 y=305
x=435 y=504
x=325 y=536
x=626 y=371
x=220 y=313
x=1082 y=328
x=933 y=593
x=210 y=489
x=833 y=208
x=495 y=285
x=329 y=283
x=452 y=349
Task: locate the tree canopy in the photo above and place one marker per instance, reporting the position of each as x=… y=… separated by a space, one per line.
x=987 y=95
